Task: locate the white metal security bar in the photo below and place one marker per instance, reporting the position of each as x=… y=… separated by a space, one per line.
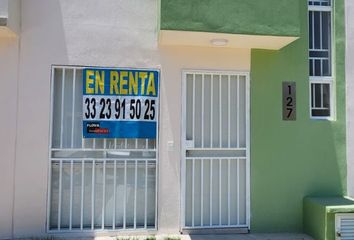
x=344 y=226
x=320 y=58
x=95 y=184
x=216 y=150
x=216 y=195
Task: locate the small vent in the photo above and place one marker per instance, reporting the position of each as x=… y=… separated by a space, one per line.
x=345 y=226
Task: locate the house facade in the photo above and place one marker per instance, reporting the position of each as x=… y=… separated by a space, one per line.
x=169 y=117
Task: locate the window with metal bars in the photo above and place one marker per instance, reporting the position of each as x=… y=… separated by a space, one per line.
x=95 y=184
x=320 y=58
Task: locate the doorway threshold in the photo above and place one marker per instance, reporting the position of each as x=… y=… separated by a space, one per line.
x=217 y=231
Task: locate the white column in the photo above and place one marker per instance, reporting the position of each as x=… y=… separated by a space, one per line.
x=349 y=7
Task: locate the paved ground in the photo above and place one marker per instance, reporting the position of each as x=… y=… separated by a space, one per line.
x=251 y=237
x=273 y=236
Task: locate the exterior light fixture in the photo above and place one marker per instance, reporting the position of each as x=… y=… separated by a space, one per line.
x=219 y=42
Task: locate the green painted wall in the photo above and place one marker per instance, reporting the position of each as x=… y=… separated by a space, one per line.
x=293 y=159
x=268 y=17
x=289 y=159
x=314 y=218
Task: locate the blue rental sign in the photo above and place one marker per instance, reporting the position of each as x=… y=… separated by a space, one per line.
x=120 y=103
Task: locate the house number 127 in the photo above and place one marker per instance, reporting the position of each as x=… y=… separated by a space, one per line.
x=289 y=101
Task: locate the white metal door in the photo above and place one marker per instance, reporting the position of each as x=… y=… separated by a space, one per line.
x=215 y=148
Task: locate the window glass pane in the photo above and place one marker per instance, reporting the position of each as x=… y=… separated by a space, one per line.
x=326 y=95
x=57 y=100
x=189 y=112
x=109 y=195
x=77 y=134
x=225 y=111
x=242 y=112
x=310 y=29
x=87 y=204
x=317 y=30
x=67 y=108
x=76 y=201
x=188 y=198
x=321 y=112
x=320 y=100
x=98 y=198
x=312 y=67
x=198 y=110
x=326 y=68
x=319 y=2
x=319 y=54
x=151 y=195
x=216 y=111
x=318 y=67
x=140 y=193
x=54 y=203
x=65 y=195
x=326 y=29
x=207 y=111
x=130 y=194
x=312 y=95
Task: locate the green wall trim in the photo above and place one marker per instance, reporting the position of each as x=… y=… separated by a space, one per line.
x=294 y=159
x=255 y=17
x=319 y=215
x=314 y=219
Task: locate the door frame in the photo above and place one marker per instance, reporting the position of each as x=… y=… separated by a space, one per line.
x=183 y=147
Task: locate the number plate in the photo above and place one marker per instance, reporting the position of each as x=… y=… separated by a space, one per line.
x=289 y=101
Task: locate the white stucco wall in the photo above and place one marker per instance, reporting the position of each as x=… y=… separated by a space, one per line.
x=8 y=106
x=4 y=8
x=14 y=17
x=70 y=33
x=10 y=10
x=349 y=71
x=114 y=33
x=173 y=61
